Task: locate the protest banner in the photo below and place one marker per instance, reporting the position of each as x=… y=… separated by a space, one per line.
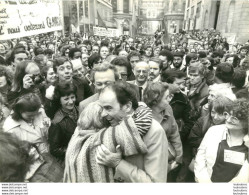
x=20 y=18
x=193 y=41
x=106 y=32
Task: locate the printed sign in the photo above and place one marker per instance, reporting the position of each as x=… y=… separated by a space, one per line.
x=109 y=32
x=20 y=18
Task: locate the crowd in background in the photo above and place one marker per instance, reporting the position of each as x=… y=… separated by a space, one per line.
x=79 y=108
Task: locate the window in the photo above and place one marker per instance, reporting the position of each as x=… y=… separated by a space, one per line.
x=86 y=8
x=114 y=5
x=198 y=10
x=174 y=6
x=192 y=11
x=126 y=6
x=81 y=9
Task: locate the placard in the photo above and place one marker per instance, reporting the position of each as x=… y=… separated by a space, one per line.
x=109 y=32
x=20 y=18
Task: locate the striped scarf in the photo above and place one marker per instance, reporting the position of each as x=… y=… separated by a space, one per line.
x=80 y=161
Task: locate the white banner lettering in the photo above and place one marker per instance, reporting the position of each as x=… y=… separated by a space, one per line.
x=20 y=18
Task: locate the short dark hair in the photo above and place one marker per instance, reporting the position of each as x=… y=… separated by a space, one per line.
x=61 y=90
x=72 y=51
x=59 y=61
x=38 y=51
x=120 y=61
x=18 y=49
x=167 y=54
x=189 y=57
x=27 y=103
x=94 y=58
x=169 y=76
x=224 y=72
x=239 y=78
x=124 y=93
x=133 y=53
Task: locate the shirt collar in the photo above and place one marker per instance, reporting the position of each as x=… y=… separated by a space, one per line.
x=143 y=86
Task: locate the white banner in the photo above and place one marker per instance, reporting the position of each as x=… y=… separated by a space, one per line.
x=193 y=41
x=109 y=32
x=20 y=18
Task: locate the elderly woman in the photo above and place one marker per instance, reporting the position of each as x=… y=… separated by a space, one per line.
x=64 y=121
x=28 y=123
x=157 y=96
x=223 y=155
x=126 y=138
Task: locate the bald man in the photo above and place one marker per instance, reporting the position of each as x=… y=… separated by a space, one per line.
x=141 y=72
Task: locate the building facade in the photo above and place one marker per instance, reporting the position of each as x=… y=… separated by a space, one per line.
x=230 y=17
x=125 y=13
x=174 y=15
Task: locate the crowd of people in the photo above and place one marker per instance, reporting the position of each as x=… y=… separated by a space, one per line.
x=100 y=109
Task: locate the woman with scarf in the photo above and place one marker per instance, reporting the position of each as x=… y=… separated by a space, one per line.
x=64 y=121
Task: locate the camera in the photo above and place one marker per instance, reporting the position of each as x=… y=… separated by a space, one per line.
x=37 y=79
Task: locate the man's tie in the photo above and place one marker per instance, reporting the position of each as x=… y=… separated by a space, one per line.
x=140 y=93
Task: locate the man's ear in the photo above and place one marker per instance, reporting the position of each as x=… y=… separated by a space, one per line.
x=170 y=97
x=127 y=107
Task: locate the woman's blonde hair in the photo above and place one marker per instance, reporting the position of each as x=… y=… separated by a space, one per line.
x=90 y=118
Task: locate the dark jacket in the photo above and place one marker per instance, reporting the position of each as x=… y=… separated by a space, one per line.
x=198 y=132
x=13 y=95
x=83 y=91
x=196 y=98
x=60 y=133
x=181 y=110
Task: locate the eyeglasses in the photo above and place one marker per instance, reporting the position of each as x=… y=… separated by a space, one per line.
x=232 y=118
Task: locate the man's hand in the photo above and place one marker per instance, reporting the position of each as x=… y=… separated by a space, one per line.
x=107 y=158
x=27 y=81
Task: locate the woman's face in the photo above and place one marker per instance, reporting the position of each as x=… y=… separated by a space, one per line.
x=3 y=81
x=68 y=102
x=51 y=76
x=217 y=118
x=230 y=60
x=29 y=116
x=233 y=123
x=104 y=52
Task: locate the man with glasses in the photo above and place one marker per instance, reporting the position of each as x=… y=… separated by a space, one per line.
x=141 y=71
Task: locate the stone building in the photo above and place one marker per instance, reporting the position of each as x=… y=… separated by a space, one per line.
x=174 y=15
x=125 y=13
x=230 y=17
